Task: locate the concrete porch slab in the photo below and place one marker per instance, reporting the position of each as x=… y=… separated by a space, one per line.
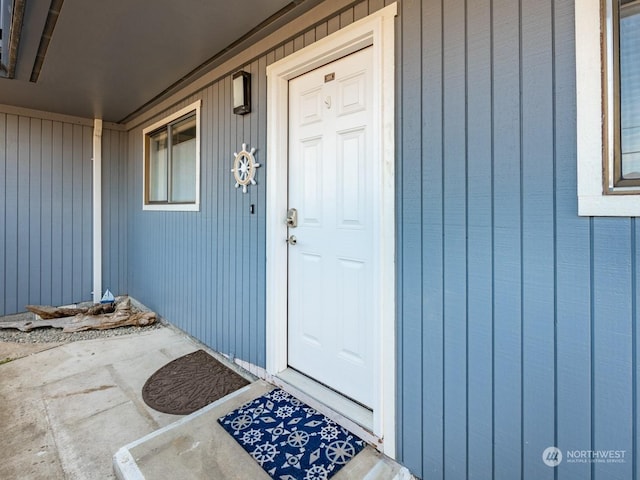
x=13 y=350
x=65 y=412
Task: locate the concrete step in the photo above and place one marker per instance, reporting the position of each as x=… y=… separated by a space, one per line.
x=197 y=447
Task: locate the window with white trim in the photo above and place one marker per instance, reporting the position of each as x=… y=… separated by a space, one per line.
x=172 y=161
x=627 y=96
x=608 y=107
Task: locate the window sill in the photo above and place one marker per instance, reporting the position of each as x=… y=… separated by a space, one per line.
x=609 y=205
x=190 y=207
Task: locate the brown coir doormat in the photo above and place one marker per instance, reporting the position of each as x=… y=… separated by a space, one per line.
x=189 y=383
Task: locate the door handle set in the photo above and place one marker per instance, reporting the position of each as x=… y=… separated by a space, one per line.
x=292 y=222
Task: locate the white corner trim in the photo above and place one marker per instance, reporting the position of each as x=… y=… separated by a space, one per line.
x=376 y=30
x=97 y=210
x=175 y=207
x=589 y=119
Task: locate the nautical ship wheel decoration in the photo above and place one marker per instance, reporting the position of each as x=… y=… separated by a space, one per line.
x=244 y=168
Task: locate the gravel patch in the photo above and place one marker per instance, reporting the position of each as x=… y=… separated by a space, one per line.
x=56 y=335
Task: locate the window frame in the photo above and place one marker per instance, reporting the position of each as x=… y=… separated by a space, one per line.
x=146 y=137
x=596 y=115
x=613 y=52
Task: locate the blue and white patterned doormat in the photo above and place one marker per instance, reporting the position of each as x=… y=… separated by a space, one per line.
x=289 y=439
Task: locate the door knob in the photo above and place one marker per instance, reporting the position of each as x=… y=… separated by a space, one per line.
x=292 y=240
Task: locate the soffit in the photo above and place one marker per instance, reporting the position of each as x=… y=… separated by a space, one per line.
x=108 y=58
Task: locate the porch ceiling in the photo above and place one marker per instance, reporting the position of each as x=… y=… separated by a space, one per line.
x=107 y=59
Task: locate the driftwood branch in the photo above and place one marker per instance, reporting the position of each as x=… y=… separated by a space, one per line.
x=46 y=312
x=123 y=315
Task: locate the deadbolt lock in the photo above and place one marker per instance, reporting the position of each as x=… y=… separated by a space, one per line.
x=292 y=218
x=292 y=240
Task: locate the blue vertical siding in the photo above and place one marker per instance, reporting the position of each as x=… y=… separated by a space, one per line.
x=10 y=300
x=506 y=273
x=23 y=201
x=479 y=240
x=516 y=318
x=45 y=212
x=114 y=211
x=634 y=350
x=574 y=288
x=409 y=113
x=208 y=266
x=455 y=152
x=56 y=215
x=612 y=408
x=538 y=237
x=35 y=203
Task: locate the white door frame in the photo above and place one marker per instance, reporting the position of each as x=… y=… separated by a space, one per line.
x=376 y=30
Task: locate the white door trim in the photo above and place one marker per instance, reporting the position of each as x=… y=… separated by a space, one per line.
x=377 y=30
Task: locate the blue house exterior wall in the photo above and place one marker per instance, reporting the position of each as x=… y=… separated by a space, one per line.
x=46 y=193
x=205 y=271
x=516 y=318
x=115 y=200
x=45 y=210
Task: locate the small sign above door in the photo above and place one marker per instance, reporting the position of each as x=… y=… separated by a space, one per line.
x=329 y=77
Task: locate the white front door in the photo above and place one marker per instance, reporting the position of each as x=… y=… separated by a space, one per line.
x=333 y=272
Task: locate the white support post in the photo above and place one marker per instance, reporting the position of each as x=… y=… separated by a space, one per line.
x=97 y=210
